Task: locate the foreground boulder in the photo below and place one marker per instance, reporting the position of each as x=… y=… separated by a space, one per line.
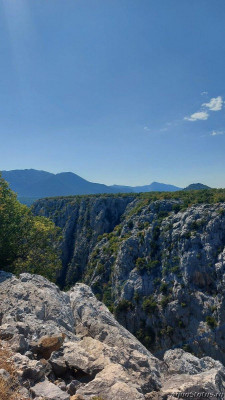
x=63 y=338
x=188 y=374
x=47 y=344
x=68 y=346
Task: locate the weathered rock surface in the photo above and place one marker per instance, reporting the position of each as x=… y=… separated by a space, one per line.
x=160 y=267
x=46 y=345
x=50 y=391
x=78 y=337
x=188 y=374
x=93 y=354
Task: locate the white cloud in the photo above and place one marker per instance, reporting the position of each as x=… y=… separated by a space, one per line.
x=204 y=93
x=146 y=128
x=216 y=133
x=200 y=115
x=215 y=104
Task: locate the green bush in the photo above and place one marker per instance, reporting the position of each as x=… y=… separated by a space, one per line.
x=140 y=263
x=137 y=297
x=123 y=306
x=165 y=300
x=149 y=305
x=211 y=322
x=146 y=335
x=176 y=208
x=163 y=288
x=144 y=266
x=175 y=269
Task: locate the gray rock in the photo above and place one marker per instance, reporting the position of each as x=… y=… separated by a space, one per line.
x=4 y=374
x=105 y=345
x=49 y=391
x=98 y=357
x=186 y=373
x=29 y=370
x=120 y=346
x=179 y=361
x=73 y=386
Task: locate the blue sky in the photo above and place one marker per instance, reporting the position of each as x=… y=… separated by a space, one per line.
x=117 y=91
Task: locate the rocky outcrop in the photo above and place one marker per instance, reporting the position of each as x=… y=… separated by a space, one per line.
x=78 y=337
x=87 y=353
x=158 y=265
x=162 y=272
x=186 y=373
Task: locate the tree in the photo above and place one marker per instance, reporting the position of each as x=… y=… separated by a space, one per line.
x=27 y=243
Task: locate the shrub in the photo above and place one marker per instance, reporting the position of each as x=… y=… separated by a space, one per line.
x=149 y=305
x=124 y=306
x=157 y=281
x=137 y=297
x=186 y=347
x=211 y=322
x=100 y=268
x=176 y=208
x=130 y=224
x=141 y=264
x=175 y=269
x=152 y=265
x=163 y=288
x=146 y=335
x=165 y=300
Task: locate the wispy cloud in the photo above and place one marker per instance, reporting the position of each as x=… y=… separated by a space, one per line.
x=215 y=104
x=204 y=93
x=200 y=115
x=146 y=128
x=216 y=133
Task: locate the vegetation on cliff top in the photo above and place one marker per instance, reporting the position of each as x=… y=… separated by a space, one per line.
x=187 y=197
x=27 y=243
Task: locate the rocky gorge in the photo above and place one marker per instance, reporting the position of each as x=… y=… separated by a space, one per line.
x=157 y=263
x=138 y=309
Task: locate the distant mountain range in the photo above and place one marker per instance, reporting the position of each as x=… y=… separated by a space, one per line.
x=31 y=183
x=197 y=186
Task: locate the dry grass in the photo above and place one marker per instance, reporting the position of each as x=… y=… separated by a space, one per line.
x=8 y=388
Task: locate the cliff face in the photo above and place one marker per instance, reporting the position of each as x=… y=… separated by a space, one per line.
x=63 y=346
x=83 y=220
x=159 y=266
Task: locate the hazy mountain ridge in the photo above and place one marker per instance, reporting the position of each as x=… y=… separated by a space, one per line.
x=196 y=186
x=32 y=183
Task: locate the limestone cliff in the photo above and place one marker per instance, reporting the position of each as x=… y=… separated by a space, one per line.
x=67 y=345
x=158 y=265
